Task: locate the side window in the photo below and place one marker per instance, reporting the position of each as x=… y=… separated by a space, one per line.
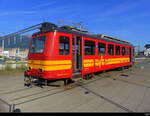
x=123 y=51
x=89 y=47
x=64 y=45
x=118 y=50
x=127 y=51
x=101 y=49
x=111 y=50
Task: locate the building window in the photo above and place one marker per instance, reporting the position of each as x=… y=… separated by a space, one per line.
x=123 y=51
x=118 y=50
x=64 y=45
x=102 y=49
x=89 y=47
x=111 y=50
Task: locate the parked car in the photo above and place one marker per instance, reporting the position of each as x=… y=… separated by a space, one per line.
x=2 y=60
x=18 y=58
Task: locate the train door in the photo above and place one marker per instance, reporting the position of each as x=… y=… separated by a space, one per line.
x=77 y=54
x=130 y=54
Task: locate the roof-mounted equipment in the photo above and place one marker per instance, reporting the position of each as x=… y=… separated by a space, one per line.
x=112 y=38
x=68 y=27
x=46 y=26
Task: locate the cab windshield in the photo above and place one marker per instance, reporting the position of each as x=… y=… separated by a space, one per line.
x=37 y=45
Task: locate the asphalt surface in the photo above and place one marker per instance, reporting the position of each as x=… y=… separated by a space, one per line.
x=113 y=91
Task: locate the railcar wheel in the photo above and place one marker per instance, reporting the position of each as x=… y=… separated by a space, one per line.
x=121 y=68
x=57 y=83
x=27 y=81
x=65 y=82
x=88 y=76
x=127 y=67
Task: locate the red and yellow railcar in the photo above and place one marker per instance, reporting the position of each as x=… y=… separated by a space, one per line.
x=65 y=52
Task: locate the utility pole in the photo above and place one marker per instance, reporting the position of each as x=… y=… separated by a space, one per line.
x=3 y=44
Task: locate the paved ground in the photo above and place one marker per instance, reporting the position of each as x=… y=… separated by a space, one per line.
x=113 y=91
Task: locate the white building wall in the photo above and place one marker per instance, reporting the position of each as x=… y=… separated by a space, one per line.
x=147 y=52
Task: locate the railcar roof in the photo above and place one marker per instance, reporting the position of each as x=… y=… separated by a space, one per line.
x=95 y=36
x=49 y=27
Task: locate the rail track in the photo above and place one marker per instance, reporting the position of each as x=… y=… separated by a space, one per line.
x=16 y=91
x=77 y=85
x=107 y=74
x=80 y=83
x=37 y=93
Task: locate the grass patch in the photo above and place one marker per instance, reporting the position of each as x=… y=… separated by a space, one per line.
x=8 y=70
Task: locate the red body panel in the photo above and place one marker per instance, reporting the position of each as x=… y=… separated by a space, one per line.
x=51 y=53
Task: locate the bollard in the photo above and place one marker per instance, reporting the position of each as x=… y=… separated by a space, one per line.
x=11 y=108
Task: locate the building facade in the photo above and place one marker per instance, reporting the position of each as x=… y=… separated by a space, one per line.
x=15 y=46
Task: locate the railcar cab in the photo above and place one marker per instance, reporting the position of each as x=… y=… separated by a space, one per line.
x=42 y=52
x=54 y=55
x=38 y=45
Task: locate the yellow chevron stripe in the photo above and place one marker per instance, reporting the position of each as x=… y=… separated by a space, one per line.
x=89 y=61
x=101 y=62
x=89 y=65
x=51 y=62
x=117 y=60
x=67 y=64
x=51 y=68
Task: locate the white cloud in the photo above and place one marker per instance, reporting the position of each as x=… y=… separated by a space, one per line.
x=7 y=13
x=118 y=10
x=45 y=4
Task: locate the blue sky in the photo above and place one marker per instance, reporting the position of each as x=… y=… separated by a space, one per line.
x=125 y=19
